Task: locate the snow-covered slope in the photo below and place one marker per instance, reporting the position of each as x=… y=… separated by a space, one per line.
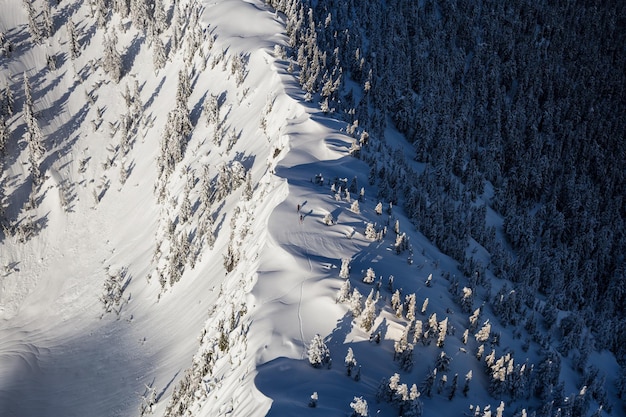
x=140 y=281
x=61 y=354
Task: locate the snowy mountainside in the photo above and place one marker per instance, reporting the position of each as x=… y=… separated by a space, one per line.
x=181 y=221
x=101 y=236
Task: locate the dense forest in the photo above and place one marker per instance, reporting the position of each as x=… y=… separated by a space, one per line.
x=516 y=107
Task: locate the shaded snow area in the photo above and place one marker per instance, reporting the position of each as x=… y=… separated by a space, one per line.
x=179 y=228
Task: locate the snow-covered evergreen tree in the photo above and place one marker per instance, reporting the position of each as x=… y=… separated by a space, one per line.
x=355 y=303
x=409 y=301
x=468 y=378
x=159 y=56
x=369 y=312
x=359 y=407
x=370 y=276
x=34 y=134
x=345 y=268
x=370 y=232
x=355 y=207
x=483 y=334
x=318 y=352
x=112 y=60
x=350 y=362
x=33 y=25
x=344 y=291
x=443 y=329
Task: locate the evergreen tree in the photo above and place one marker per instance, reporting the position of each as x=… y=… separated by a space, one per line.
x=350 y=362
x=370 y=276
x=318 y=352
x=112 y=60
x=453 y=387
x=409 y=301
x=8 y=105
x=34 y=134
x=359 y=407
x=248 y=191
x=48 y=26
x=33 y=26
x=355 y=303
x=355 y=207
x=185 y=205
x=344 y=291
x=468 y=378
x=369 y=312
x=443 y=329
x=483 y=334
x=345 y=268
x=4 y=136
x=160 y=17
x=158 y=54
x=370 y=232
x=72 y=38
x=139 y=13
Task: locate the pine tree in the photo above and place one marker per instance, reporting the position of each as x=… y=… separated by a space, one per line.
x=467 y=298
x=344 y=291
x=33 y=26
x=318 y=352
x=453 y=387
x=350 y=362
x=72 y=38
x=345 y=268
x=442 y=364
x=355 y=303
x=159 y=56
x=248 y=191
x=359 y=407
x=206 y=190
x=4 y=135
x=139 y=14
x=417 y=331
x=185 y=205
x=121 y=7
x=409 y=301
x=369 y=312
x=160 y=17
x=443 y=329
x=48 y=26
x=112 y=60
x=34 y=134
x=8 y=105
x=468 y=378
x=370 y=232
x=370 y=276
x=183 y=90
x=483 y=334
x=427 y=386
x=211 y=109
x=102 y=13
x=355 y=207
